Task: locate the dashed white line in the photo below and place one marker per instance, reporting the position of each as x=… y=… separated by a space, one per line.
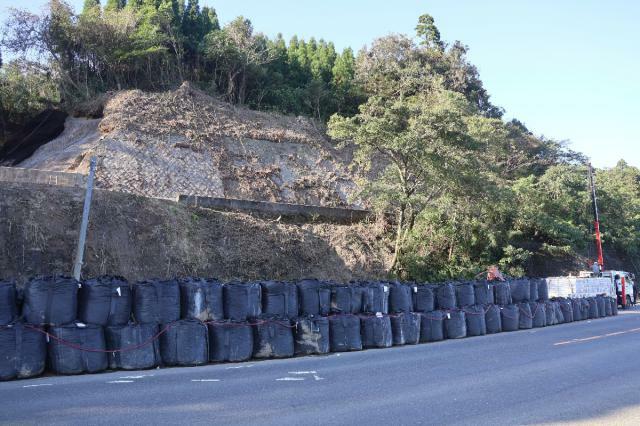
x=121 y=381
x=302 y=372
x=38 y=385
x=290 y=379
x=205 y=380
x=240 y=366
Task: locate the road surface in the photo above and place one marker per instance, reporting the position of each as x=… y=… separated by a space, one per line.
x=583 y=372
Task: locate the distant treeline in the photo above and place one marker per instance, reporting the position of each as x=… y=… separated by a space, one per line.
x=469 y=188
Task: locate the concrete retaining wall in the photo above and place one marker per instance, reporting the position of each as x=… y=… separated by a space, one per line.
x=19 y=175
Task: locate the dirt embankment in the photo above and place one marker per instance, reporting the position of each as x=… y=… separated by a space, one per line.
x=186 y=142
x=140 y=237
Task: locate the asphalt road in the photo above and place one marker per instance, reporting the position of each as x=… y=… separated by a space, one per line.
x=583 y=372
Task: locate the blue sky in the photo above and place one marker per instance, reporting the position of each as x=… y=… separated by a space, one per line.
x=568 y=69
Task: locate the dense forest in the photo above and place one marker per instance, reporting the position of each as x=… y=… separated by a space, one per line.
x=468 y=188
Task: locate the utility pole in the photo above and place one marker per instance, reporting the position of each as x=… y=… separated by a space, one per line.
x=596 y=218
x=77 y=266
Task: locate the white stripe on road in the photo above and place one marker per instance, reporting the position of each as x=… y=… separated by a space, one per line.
x=121 y=381
x=290 y=379
x=587 y=339
x=205 y=380
x=35 y=386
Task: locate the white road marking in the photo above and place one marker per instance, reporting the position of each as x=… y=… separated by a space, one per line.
x=302 y=372
x=121 y=381
x=205 y=380
x=35 y=386
x=587 y=339
x=315 y=376
x=137 y=377
x=240 y=366
x=290 y=379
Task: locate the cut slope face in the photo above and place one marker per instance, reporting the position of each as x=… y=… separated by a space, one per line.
x=186 y=142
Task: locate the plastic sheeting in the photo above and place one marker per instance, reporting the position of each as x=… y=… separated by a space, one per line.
x=525 y=320
x=314 y=298
x=432 y=326
x=156 y=302
x=493 y=319
x=23 y=352
x=279 y=299
x=242 y=301
x=405 y=328
x=273 y=339
x=446 y=296
x=344 y=333
x=538 y=312
x=104 y=301
x=376 y=331
x=483 y=292
x=502 y=292
x=50 y=300
x=520 y=290
x=140 y=344
x=230 y=341
x=476 y=322
x=465 y=295
x=312 y=336
x=346 y=299
x=185 y=343
x=423 y=299
x=455 y=324
x=8 y=306
x=201 y=299
x=375 y=297
x=67 y=349
x=510 y=317
x=400 y=299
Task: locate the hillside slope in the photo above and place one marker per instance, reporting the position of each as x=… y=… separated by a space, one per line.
x=186 y=142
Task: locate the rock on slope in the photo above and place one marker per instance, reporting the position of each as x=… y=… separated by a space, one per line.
x=186 y=142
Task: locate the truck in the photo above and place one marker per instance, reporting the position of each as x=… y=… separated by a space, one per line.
x=618 y=284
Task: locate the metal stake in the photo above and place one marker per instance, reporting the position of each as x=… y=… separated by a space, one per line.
x=77 y=266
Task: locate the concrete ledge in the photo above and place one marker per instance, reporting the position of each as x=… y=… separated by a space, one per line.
x=47 y=177
x=326 y=214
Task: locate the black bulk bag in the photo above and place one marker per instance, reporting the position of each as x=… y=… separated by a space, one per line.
x=201 y=299
x=376 y=331
x=584 y=308
x=405 y=328
x=492 y=319
x=432 y=326
x=465 y=295
x=50 y=300
x=559 y=315
x=273 y=339
x=593 y=308
x=446 y=296
x=346 y=299
x=423 y=299
x=312 y=336
x=543 y=290
x=455 y=324
x=525 y=320
x=400 y=299
x=539 y=315
x=242 y=301
x=566 y=309
x=279 y=299
x=230 y=341
x=156 y=302
x=134 y=346
x=184 y=343
x=502 y=293
x=344 y=333
x=476 y=322
x=375 y=297
x=607 y=306
x=23 y=351
x=550 y=313
x=533 y=290
x=314 y=298
x=601 y=309
x=483 y=292
x=576 y=307
x=77 y=348
x=104 y=301
x=614 y=305
x=8 y=302
x=520 y=290
x=510 y=317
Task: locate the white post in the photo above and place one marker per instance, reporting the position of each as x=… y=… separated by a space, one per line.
x=77 y=267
